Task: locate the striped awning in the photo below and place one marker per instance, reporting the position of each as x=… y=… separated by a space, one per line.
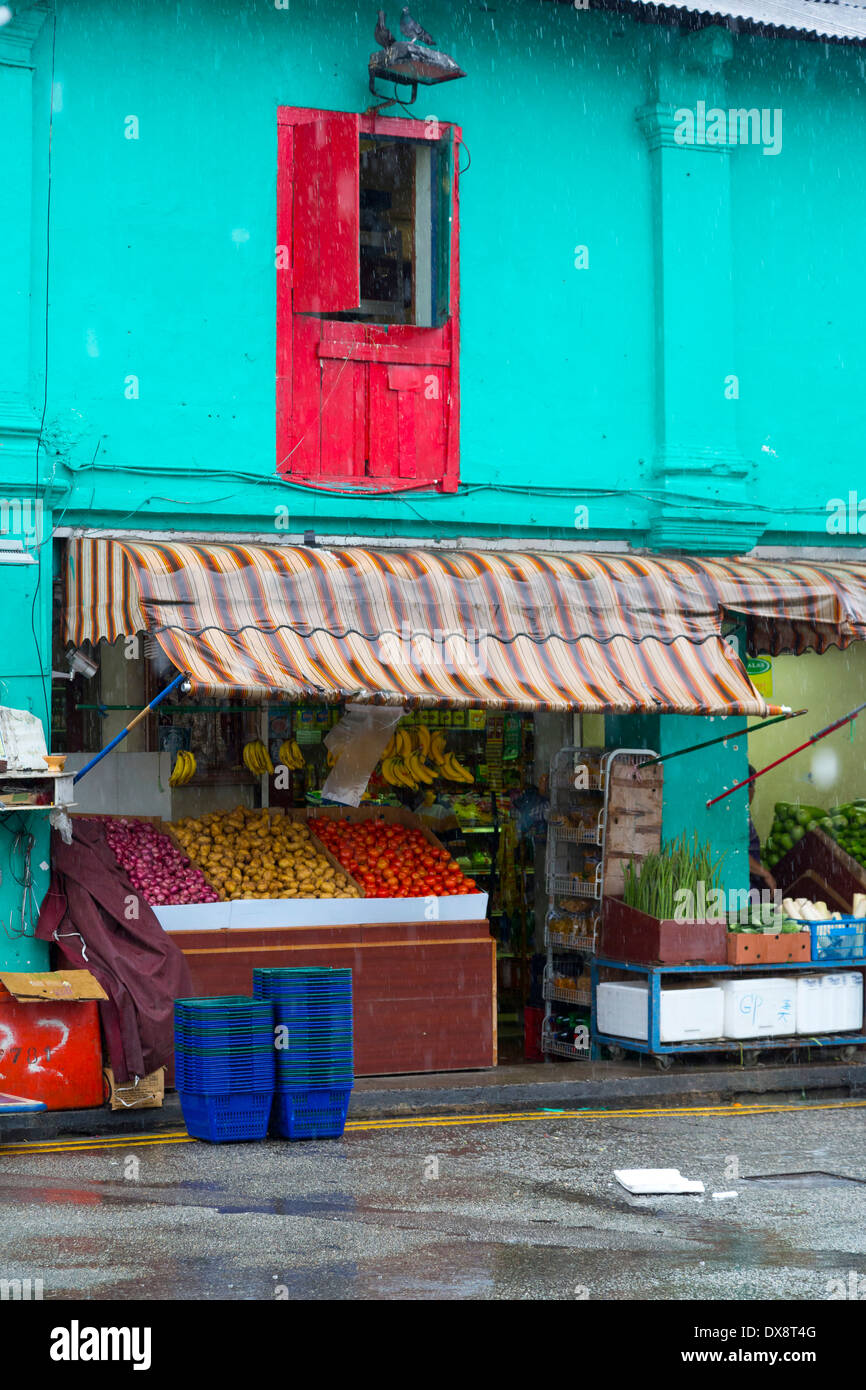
x=506 y=630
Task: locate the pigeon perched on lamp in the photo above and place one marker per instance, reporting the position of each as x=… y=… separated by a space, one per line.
x=382 y=34
x=408 y=61
x=412 y=30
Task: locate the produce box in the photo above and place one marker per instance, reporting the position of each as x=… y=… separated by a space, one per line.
x=145 y=1094
x=772 y=948
x=818 y=857
x=628 y=934
x=747 y=948
x=264 y=854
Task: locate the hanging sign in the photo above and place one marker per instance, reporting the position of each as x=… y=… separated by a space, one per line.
x=760 y=672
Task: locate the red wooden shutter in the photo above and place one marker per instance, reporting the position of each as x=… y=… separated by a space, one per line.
x=360 y=403
x=327 y=215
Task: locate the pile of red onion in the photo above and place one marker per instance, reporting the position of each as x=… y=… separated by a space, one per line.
x=161 y=872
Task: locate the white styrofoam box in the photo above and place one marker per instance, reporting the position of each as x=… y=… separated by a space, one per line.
x=692 y=1015
x=760 y=1008
x=622 y=1009
x=830 y=1003
x=686 y=1015
x=253 y=913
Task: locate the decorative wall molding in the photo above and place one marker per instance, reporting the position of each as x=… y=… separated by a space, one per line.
x=19 y=35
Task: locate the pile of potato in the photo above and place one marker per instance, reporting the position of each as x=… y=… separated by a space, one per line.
x=260 y=854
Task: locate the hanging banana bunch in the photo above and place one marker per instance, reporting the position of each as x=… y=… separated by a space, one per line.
x=183 y=770
x=257 y=758
x=290 y=755
x=415 y=758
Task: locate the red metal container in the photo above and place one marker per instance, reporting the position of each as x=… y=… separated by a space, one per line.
x=627 y=934
x=51 y=1052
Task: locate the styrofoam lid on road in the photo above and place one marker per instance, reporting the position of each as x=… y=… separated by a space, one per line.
x=646 y=1181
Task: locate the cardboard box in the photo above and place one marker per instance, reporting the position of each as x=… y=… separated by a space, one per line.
x=145 y=1094
x=31 y=986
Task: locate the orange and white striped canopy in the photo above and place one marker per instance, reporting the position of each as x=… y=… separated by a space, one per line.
x=500 y=629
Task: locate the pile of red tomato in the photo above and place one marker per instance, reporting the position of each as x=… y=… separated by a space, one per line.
x=392 y=861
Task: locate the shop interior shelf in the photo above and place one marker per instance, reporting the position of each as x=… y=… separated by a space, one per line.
x=568 y=996
x=564 y=1049
x=565 y=885
x=579 y=835
x=561 y=942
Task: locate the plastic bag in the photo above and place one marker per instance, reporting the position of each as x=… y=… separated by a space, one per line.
x=59 y=820
x=357 y=743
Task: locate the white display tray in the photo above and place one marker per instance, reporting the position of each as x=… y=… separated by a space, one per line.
x=252 y=913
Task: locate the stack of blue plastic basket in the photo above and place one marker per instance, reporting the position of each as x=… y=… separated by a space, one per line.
x=225 y=1066
x=314 y=1050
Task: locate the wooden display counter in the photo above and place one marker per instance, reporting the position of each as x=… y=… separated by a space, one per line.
x=424 y=992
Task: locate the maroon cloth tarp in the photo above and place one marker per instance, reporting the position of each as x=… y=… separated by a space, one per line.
x=138 y=965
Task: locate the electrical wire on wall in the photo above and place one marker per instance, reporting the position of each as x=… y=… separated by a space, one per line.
x=23 y=843
x=40 y=539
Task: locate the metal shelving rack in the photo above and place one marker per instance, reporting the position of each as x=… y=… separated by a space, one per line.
x=576 y=775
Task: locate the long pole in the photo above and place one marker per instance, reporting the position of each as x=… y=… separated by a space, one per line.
x=822 y=733
x=723 y=738
x=118 y=738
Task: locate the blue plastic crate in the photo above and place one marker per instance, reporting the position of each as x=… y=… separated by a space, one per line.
x=843 y=939
x=222 y=1083
x=311 y=1113
x=227 y=1118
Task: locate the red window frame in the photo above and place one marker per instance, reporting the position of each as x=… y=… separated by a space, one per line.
x=320 y=292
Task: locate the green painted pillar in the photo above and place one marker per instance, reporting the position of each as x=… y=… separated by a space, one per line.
x=702 y=481
x=695 y=778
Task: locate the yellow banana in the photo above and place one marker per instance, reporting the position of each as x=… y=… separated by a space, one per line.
x=404 y=744
x=455 y=771
x=403 y=775
x=388 y=771
x=438 y=749
x=297 y=755
x=189 y=766
x=174 y=779
x=419 y=770
x=390 y=749
x=424 y=740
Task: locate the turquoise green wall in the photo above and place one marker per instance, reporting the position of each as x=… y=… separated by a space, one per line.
x=578 y=386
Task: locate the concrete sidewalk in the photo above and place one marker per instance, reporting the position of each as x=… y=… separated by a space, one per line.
x=565 y=1086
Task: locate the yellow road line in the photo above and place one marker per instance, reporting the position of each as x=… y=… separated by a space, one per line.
x=735 y=1111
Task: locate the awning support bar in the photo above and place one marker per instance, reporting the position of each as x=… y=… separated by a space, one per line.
x=118 y=738
x=822 y=733
x=723 y=738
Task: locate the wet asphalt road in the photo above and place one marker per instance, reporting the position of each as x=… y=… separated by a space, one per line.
x=523 y=1210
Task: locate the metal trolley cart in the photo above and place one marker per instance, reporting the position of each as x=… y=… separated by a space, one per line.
x=747 y=1048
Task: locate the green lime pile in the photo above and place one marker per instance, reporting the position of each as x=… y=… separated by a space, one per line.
x=847 y=826
x=790 y=823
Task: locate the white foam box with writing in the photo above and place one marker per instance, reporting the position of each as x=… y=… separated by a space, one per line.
x=762 y=1008
x=687 y=1015
x=830 y=1003
x=254 y=913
